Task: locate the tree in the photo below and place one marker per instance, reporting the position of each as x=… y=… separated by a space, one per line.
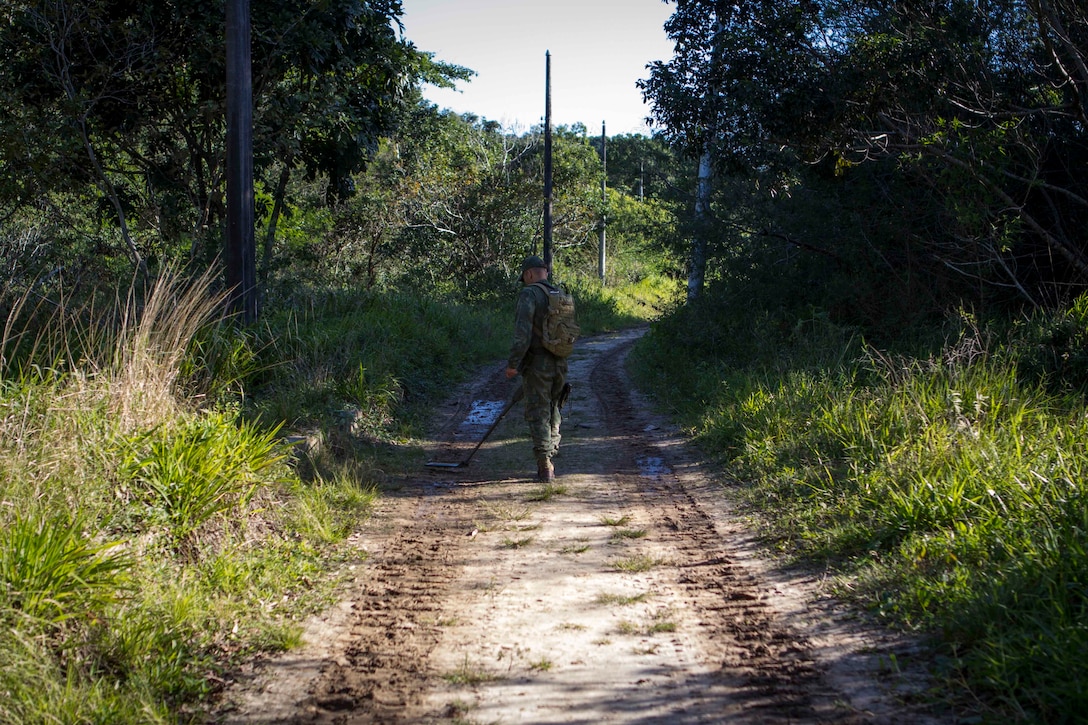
x=976 y=109
x=130 y=97
x=971 y=100
x=640 y=166
x=452 y=203
x=712 y=97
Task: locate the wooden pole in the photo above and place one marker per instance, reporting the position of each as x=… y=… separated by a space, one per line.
x=604 y=203
x=241 y=272
x=548 y=159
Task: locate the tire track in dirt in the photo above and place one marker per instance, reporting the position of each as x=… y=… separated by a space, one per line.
x=366 y=661
x=395 y=627
x=481 y=599
x=771 y=674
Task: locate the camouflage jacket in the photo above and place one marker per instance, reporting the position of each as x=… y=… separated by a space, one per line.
x=528 y=322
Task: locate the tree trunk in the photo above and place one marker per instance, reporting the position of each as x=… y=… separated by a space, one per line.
x=241 y=268
x=697 y=262
x=273 y=222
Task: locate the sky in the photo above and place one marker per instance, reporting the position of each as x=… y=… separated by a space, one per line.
x=599 y=49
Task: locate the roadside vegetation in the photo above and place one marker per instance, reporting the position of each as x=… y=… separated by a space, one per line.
x=146 y=540
x=884 y=337
x=941 y=480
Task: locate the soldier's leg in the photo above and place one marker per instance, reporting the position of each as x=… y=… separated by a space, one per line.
x=555 y=419
x=538 y=404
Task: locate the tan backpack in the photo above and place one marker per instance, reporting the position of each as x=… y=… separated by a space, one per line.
x=560 y=329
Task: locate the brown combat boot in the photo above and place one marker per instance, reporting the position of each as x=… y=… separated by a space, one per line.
x=545 y=472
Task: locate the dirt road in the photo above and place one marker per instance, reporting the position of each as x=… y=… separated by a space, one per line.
x=627 y=592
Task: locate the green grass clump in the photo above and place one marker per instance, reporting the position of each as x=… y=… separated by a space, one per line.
x=509 y=543
x=469 y=674
x=546 y=492
x=657 y=623
x=50 y=571
x=623 y=600
x=948 y=487
x=328 y=509
x=184 y=475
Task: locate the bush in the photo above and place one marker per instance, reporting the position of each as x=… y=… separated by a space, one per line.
x=50 y=572
x=1056 y=352
x=184 y=475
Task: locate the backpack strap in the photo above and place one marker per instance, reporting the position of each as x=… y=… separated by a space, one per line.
x=537 y=343
x=548 y=288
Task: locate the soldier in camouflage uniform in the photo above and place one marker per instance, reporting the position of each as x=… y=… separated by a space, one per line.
x=543 y=374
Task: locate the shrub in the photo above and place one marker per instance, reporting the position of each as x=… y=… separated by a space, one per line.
x=205 y=466
x=49 y=571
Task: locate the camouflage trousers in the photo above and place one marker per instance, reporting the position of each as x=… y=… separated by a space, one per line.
x=543 y=379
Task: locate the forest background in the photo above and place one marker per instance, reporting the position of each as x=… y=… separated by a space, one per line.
x=859 y=230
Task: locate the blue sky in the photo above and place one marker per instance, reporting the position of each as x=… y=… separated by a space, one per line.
x=599 y=49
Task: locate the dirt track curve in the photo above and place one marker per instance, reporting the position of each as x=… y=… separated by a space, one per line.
x=628 y=592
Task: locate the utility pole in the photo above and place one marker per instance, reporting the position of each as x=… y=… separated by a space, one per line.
x=604 y=202
x=548 y=159
x=641 y=174
x=241 y=271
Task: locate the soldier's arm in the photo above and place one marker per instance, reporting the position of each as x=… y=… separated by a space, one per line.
x=523 y=329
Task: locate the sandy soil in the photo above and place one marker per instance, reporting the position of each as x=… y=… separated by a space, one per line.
x=629 y=591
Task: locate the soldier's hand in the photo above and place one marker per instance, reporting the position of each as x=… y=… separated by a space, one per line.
x=511 y=372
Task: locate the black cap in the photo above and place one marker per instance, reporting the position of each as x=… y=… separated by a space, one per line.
x=531 y=262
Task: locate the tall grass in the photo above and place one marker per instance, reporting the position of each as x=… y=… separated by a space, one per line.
x=50 y=571
x=143 y=532
x=947 y=489
x=77 y=379
x=186 y=475
x=603 y=308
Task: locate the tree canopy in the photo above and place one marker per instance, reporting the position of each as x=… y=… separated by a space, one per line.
x=964 y=121
x=122 y=105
